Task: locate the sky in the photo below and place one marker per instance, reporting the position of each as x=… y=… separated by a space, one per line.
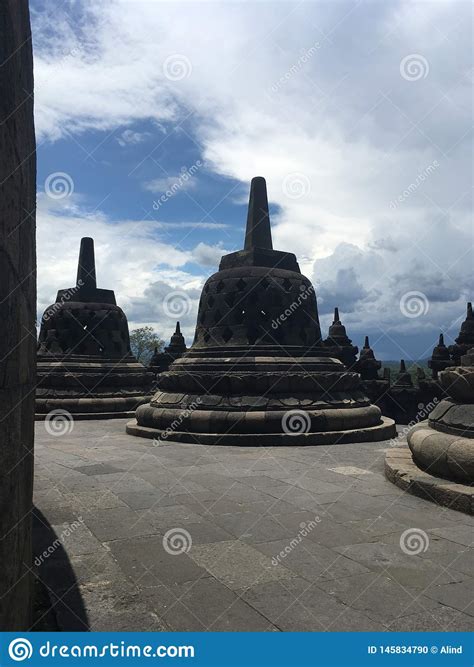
x=152 y=117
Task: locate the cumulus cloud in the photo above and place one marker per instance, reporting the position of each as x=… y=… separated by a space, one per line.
x=348 y=131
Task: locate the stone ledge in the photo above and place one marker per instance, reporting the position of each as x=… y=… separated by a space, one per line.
x=404 y=473
x=382 y=431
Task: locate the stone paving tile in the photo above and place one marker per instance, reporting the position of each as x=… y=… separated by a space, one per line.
x=407 y=569
x=130 y=493
x=118 y=523
x=205 y=604
x=457 y=595
x=236 y=564
x=299 y=606
x=146 y=563
x=311 y=561
x=438 y=619
x=377 y=596
x=460 y=533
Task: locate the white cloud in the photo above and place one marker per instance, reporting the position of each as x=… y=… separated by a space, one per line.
x=346 y=119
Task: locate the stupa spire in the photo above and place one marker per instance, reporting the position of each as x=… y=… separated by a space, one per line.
x=336 y=315
x=86 y=266
x=366 y=343
x=258 y=233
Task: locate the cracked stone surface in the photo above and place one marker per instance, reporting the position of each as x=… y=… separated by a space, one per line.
x=188 y=537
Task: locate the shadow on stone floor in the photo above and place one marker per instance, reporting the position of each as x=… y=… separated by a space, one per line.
x=66 y=610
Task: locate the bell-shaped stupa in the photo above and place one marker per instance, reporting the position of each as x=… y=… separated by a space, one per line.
x=465 y=341
x=84 y=362
x=339 y=344
x=258 y=372
x=161 y=361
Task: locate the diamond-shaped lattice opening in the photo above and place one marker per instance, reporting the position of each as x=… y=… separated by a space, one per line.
x=217 y=316
x=207 y=337
x=241 y=284
x=227 y=334
x=239 y=315
x=220 y=286
x=230 y=299
x=264 y=283
x=206 y=288
x=211 y=301
x=287 y=284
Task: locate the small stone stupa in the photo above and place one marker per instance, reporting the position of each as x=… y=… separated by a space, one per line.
x=465 y=341
x=257 y=372
x=367 y=365
x=84 y=362
x=440 y=358
x=161 y=361
x=339 y=344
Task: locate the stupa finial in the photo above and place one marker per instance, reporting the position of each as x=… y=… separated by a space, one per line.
x=178 y=328
x=336 y=315
x=86 y=266
x=469 y=310
x=366 y=343
x=258 y=233
x=441 y=340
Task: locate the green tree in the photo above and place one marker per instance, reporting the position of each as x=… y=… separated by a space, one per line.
x=143 y=342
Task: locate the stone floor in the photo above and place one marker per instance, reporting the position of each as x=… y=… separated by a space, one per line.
x=132 y=535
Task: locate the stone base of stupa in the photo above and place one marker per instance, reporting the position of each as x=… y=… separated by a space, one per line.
x=401 y=470
x=93 y=389
x=260 y=400
x=439 y=464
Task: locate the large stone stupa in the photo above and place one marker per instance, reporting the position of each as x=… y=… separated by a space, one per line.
x=84 y=362
x=257 y=372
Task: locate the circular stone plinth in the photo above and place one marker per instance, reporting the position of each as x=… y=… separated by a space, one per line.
x=401 y=470
x=110 y=407
x=383 y=431
x=448 y=455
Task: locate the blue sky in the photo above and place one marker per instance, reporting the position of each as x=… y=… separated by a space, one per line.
x=357 y=113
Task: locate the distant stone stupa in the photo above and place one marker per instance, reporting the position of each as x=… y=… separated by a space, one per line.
x=84 y=362
x=258 y=372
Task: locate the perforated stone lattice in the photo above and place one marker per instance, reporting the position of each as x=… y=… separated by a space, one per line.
x=247 y=306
